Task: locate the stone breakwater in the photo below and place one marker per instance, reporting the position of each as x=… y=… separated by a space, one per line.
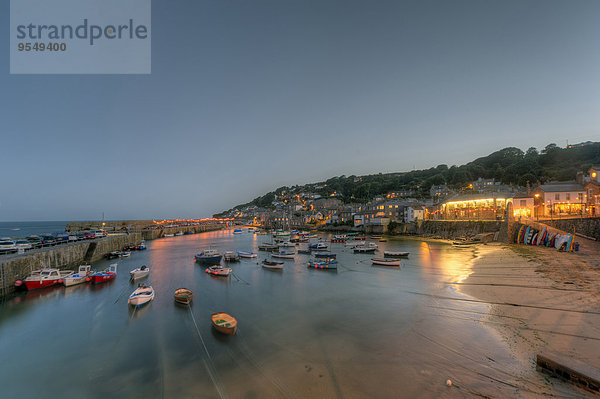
x=70 y=256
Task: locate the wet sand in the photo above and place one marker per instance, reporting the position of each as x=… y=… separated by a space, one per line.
x=540 y=299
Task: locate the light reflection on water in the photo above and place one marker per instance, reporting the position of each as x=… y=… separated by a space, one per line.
x=302 y=332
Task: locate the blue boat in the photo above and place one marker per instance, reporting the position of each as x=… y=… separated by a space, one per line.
x=324 y=254
x=209 y=256
x=327 y=264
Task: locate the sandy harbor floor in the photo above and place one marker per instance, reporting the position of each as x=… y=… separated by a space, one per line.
x=539 y=299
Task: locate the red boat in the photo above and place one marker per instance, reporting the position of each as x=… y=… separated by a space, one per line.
x=43 y=278
x=105 y=275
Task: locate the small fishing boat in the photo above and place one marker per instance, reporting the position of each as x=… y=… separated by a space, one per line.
x=465 y=243
x=82 y=276
x=125 y=254
x=169 y=235
x=360 y=238
x=43 y=278
x=286 y=244
x=142 y=271
x=323 y=264
x=238 y=231
x=231 y=256
x=219 y=271
x=325 y=254
x=142 y=245
x=224 y=323
x=141 y=296
x=268 y=264
x=280 y=233
x=267 y=247
x=179 y=233
x=376 y=237
x=284 y=254
x=305 y=251
x=340 y=237
x=246 y=254
x=105 y=275
x=364 y=250
x=394 y=253
x=209 y=256
x=319 y=245
x=385 y=262
x=183 y=296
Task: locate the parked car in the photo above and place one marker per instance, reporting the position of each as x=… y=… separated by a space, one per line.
x=35 y=241
x=89 y=235
x=23 y=244
x=61 y=238
x=47 y=240
x=7 y=246
x=73 y=237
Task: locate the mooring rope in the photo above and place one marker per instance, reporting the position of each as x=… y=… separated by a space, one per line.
x=206 y=365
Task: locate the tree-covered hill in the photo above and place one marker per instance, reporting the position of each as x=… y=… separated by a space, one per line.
x=509 y=165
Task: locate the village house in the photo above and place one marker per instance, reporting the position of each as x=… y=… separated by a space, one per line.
x=560 y=199
x=482 y=206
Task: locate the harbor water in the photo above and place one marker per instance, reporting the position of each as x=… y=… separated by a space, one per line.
x=362 y=331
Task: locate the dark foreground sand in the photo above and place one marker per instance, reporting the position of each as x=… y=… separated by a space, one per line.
x=540 y=299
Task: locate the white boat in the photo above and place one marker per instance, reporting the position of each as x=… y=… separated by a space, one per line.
x=394 y=253
x=219 y=271
x=246 y=254
x=81 y=276
x=125 y=254
x=179 y=233
x=169 y=235
x=267 y=264
x=142 y=295
x=140 y=272
x=319 y=245
x=284 y=254
x=385 y=262
x=286 y=244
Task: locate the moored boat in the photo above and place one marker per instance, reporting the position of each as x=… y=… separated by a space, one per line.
x=140 y=272
x=272 y=264
x=183 y=296
x=141 y=296
x=364 y=250
x=395 y=253
x=209 y=256
x=105 y=275
x=231 y=256
x=246 y=254
x=43 y=278
x=224 y=323
x=325 y=254
x=267 y=247
x=323 y=264
x=284 y=254
x=83 y=275
x=219 y=271
x=125 y=254
x=238 y=231
x=385 y=262
x=319 y=245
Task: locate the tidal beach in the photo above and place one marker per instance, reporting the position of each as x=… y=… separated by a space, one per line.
x=363 y=331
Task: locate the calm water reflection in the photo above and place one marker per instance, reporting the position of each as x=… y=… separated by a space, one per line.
x=357 y=332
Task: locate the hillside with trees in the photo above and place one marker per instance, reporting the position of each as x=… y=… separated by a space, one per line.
x=509 y=165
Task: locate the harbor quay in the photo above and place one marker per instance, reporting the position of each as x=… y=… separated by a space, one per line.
x=70 y=256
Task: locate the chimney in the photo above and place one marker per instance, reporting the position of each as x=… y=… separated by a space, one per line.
x=579 y=178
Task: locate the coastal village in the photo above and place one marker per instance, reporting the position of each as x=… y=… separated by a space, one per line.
x=482 y=199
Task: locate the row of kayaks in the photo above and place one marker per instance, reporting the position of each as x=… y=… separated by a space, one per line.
x=528 y=235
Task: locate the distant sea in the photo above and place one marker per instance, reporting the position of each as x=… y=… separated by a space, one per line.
x=24 y=229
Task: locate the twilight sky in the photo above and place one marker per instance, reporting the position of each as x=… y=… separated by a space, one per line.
x=249 y=95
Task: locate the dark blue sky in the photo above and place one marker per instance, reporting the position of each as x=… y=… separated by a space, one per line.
x=246 y=96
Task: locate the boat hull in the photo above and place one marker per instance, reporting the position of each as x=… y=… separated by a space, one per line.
x=69 y=281
x=103 y=278
x=210 y=260
x=383 y=262
x=34 y=285
x=224 y=323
